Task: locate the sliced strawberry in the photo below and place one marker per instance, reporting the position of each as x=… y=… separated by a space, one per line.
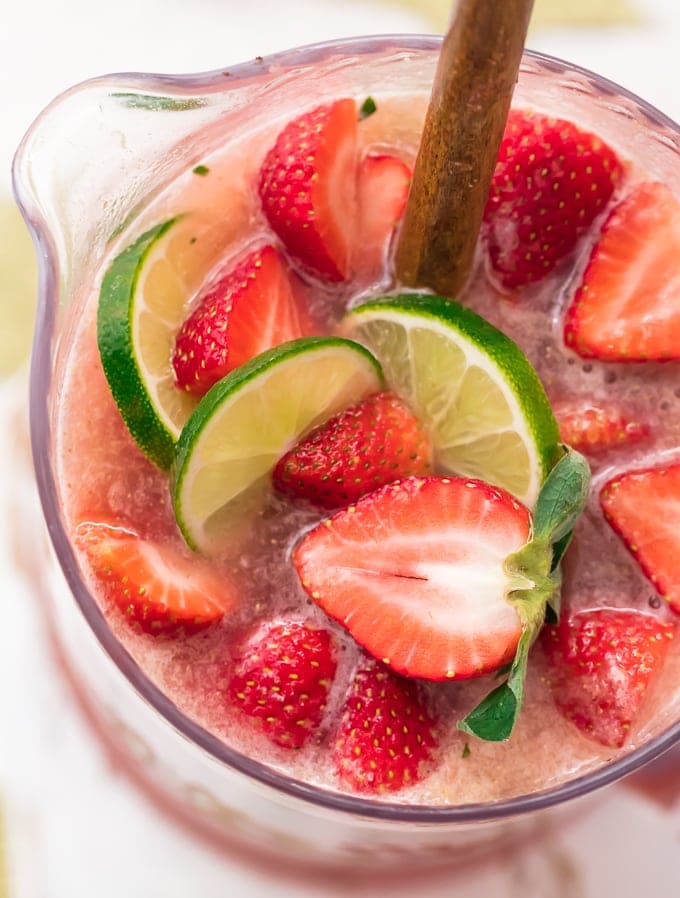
x=628 y=305
x=592 y=428
x=308 y=188
x=644 y=509
x=383 y=187
x=386 y=735
x=159 y=589
x=551 y=181
x=282 y=680
x=415 y=572
x=367 y=445
x=601 y=665
x=249 y=308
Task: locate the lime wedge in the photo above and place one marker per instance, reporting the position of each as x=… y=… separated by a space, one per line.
x=142 y=304
x=474 y=389
x=248 y=420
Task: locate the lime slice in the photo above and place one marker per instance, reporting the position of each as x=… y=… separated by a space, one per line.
x=248 y=420
x=142 y=304
x=472 y=386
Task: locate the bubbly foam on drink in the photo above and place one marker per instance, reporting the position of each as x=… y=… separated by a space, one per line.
x=103 y=474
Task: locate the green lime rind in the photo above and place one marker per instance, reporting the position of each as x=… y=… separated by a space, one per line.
x=119 y=356
x=381 y=325
x=249 y=419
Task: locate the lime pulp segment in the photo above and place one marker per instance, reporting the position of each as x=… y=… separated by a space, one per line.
x=248 y=420
x=472 y=386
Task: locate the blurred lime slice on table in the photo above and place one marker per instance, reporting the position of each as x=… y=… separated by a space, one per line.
x=18 y=287
x=142 y=305
x=472 y=386
x=249 y=419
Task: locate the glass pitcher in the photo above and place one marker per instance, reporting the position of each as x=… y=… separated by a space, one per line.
x=86 y=175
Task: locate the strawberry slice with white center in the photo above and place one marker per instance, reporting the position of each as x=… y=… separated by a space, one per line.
x=383 y=187
x=644 y=509
x=247 y=309
x=415 y=572
x=627 y=307
x=308 y=188
x=160 y=589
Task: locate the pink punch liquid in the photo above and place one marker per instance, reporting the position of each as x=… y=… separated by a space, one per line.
x=102 y=473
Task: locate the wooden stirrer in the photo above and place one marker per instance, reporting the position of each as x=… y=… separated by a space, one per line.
x=473 y=86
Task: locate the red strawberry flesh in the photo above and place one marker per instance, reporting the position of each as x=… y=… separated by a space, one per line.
x=158 y=589
x=601 y=664
x=550 y=183
x=308 y=188
x=383 y=185
x=415 y=572
x=627 y=307
x=282 y=680
x=249 y=308
x=386 y=737
x=369 y=444
x=644 y=508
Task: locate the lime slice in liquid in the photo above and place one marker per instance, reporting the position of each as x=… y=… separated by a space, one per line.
x=248 y=420
x=142 y=303
x=474 y=389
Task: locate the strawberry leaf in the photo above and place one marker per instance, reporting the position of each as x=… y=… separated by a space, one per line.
x=562 y=498
x=559 y=548
x=494 y=718
x=368 y=107
x=535 y=574
x=157 y=104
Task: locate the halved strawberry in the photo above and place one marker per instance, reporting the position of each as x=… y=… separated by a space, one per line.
x=158 y=588
x=601 y=665
x=415 y=572
x=550 y=183
x=282 y=679
x=383 y=185
x=367 y=445
x=308 y=188
x=386 y=735
x=644 y=509
x=249 y=308
x=594 y=427
x=628 y=305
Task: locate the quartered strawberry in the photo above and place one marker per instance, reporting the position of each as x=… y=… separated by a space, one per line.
x=594 y=427
x=383 y=186
x=386 y=736
x=367 y=445
x=644 y=509
x=308 y=188
x=415 y=572
x=627 y=307
x=601 y=664
x=282 y=680
x=550 y=183
x=249 y=308
x=159 y=590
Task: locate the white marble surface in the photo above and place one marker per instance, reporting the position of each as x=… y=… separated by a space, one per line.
x=76 y=828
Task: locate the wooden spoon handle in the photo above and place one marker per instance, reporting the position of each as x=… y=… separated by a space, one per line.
x=471 y=95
